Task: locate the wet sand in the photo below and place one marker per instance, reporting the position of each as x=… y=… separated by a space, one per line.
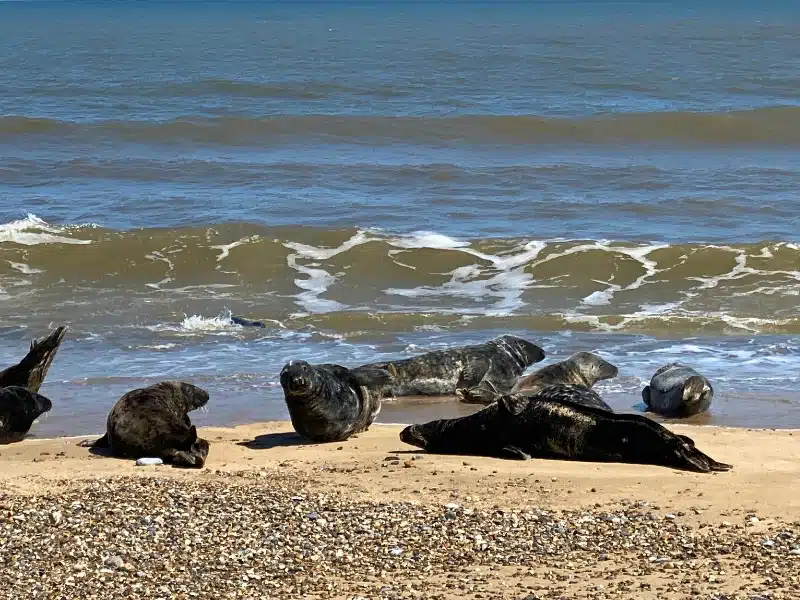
x=378 y=519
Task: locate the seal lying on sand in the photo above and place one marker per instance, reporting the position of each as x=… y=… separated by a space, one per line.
x=483 y=369
x=329 y=403
x=550 y=424
x=678 y=391
x=19 y=408
x=31 y=370
x=154 y=422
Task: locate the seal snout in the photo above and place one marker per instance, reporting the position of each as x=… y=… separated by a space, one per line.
x=296 y=376
x=43 y=404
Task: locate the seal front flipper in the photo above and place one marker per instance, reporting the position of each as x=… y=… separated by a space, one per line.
x=98 y=443
x=192 y=457
x=513 y=403
x=484 y=394
x=473 y=373
x=514 y=452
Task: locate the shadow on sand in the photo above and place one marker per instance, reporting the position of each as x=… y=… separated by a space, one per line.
x=274 y=440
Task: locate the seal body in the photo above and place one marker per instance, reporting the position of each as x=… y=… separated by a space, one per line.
x=19 y=408
x=31 y=370
x=478 y=371
x=550 y=424
x=582 y=369
x=329 y=403
x=154 y=422
x=678 y=391
x=246 y=322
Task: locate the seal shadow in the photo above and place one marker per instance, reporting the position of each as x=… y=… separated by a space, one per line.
x=276 y=440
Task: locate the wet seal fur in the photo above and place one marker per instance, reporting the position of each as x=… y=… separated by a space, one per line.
x=478 y=371
x=582 y=368
x=154 y=422
x=247 y=322
x=329 y=403
x=19 y=409
x=678 y=391
x=550 y=424
x=31 y=370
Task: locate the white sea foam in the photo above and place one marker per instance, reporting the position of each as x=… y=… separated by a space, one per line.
x=225 y=249
x=32 y=231
x=23 y=268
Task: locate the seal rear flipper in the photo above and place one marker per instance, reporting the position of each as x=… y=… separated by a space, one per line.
x=514 y=452
x=98 y=443
x=482 y=394
x=473 y=373
x=31 y=370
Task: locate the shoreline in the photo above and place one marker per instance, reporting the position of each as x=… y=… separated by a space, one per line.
x=371 y=517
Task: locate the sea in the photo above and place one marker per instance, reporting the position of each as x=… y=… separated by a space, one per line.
x=374 y=180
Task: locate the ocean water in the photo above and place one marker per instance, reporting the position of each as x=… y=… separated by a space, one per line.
x=377 y=179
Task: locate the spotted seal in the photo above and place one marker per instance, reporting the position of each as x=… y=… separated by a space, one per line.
x=551 y=424
x=329 y=403
x=154 y=422
x=481 y=370
x=582 y=368
x=31 y=370
x=19 y=409
x=677 y=391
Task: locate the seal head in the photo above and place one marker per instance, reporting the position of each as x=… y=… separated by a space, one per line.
x=19 y=409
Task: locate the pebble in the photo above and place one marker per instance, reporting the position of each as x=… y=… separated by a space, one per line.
x=143 y=462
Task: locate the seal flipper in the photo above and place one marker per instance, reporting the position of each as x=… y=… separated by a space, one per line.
x=514 y=403
x=484 y=394
x=473 y=373
x=193 y=457
x=514 y=452
x=98 y=443
x=32 y=369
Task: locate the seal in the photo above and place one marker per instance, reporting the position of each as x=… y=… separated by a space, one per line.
x=551 y=424
x=247 y=322
x=677 y=391
x=479 y=371
x=154 y=422
x=329 y=403
x=582 y=368
x=31 y=370
x=19 y=409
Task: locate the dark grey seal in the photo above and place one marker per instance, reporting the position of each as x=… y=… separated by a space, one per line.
x=31 y=370
x=678 y=391
x=582 y=368
x=154 y=422
x=19 y=408
x=551 y=424
x=247 y=322
x=470 y=371
x=329 y=403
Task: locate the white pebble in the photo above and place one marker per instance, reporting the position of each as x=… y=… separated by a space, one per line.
x=142 y=462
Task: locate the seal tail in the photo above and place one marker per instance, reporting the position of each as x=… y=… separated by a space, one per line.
x=31 y=370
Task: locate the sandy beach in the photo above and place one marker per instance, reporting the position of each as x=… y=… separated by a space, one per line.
x=371 y=517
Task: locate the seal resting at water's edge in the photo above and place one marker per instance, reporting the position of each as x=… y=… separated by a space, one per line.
x=154 y=422
x=677 y=391
x=480 y=370
x=329 y=403
x=31 y=370
x=550 y=424
x=19 y=409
